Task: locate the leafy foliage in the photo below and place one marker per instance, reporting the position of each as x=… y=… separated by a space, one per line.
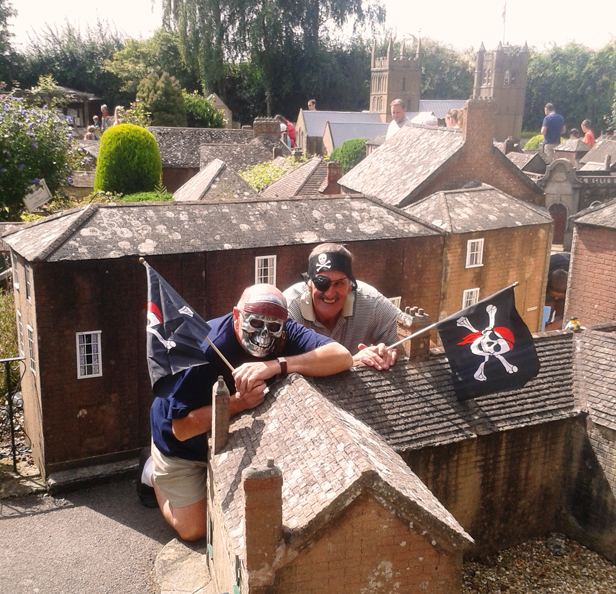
x=128 y=160
x=8 y=339
x=9 y=60
x=350 y=153
x=137 y=115
x=35 y=143
x=200 y=113
x=48 y=92
x=162 y=97
x=535 y=141
x=262 y=175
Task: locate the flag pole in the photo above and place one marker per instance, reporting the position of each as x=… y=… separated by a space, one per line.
x=427 y=328
x=142 y=261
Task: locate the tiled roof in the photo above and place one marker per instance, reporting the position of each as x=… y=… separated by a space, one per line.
x=477 y=209
x=101 y=231
x=241 y=157
x=83 y=179
x=522 y=159
x=440 y=107
x=602 y=149
x=595 y=358
x=327 y=459
x=413 y=406
x=404 y=162
x=592 y=166
x=601 y=215
x=179 y=147
x=303 y=180
x=91 y=147
x=316 y=120
x=216 y=182
x=6 y=228
x=377 y=140
x=573 y=145
x=342 y=131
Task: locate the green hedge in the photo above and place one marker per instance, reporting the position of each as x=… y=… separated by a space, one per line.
x=350 y=153
x=128 y=161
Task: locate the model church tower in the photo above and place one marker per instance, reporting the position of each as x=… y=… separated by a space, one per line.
x=395 y=77
x=501 y=75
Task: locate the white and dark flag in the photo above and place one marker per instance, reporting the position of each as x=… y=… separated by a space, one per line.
x=489 y=347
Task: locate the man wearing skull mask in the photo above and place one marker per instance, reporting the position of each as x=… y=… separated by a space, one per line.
x=353 y=313
x=259 y=342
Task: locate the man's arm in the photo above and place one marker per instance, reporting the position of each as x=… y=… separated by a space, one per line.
x=544 y=129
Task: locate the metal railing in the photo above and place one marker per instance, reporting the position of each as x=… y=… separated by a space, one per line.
x=14 y=404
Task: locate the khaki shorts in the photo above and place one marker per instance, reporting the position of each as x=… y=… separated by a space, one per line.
x=182 y=482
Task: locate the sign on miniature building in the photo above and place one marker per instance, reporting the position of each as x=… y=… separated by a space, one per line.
x=37 y=196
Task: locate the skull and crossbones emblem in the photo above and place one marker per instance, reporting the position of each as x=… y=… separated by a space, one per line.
x=323 y=263
x=155 y=320
x=489 y=342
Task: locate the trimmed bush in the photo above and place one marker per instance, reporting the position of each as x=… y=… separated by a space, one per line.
x=128 y=161
x=350 y=153
x=535 y=141
x=200 y=113
x=162 y=97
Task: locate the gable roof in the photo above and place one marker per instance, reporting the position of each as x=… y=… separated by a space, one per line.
x=327 y=459
x=216 y=182
x=477 y=209
x=573 y=145
x=601 y=215
x=303 y=180
x=342 y=131
x=241 y=157
x=414 y=406
x=600 y=151
x=102 y=231
x=315 y=120
x=404 y=163
x=440 y=107
x=521 y=160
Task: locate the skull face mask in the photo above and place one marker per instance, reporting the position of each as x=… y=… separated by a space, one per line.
x=263 y=324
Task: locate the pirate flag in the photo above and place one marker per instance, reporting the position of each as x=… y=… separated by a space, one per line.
x=489 y=347
x=174 y=330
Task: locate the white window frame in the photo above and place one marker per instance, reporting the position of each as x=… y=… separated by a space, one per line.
x=470 y=297
x=474 y=253
x=28 y=275
x=20 y=332
x=15 y=270
x=396 y=301
x=31 y=348
x=271 y=264
x=85 y=368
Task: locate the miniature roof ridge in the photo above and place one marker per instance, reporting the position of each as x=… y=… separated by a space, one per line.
x=305 y=169
x=516 y=170
x=592 y=210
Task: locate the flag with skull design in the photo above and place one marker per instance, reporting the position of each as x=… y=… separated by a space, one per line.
x=489 y=347
x=174 y=330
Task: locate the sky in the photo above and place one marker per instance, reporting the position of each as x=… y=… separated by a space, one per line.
x=459 y=23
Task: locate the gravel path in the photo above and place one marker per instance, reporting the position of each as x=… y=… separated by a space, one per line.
x=551 y=565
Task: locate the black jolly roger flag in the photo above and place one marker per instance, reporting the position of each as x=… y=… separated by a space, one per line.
x=174 y=330
x=489 y=347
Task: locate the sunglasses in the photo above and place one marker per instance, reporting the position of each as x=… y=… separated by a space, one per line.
x=322 y=283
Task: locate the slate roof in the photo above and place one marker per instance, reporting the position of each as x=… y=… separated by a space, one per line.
x=601 y=215
x=596 y=373
x=5 y=228
x=179 y=147
x=413 y=406
x=440 y=107
x=327 y=459
x=83 y=179
x=241 y=157
x=342 y=131
x=602 y=149
x=477 y=209
x=101 y=231
x=303 y=180
x=521 y=160
x=316 y=120
x=216 y=182
x=404 y=162
x=91 y=147
x=573 y=145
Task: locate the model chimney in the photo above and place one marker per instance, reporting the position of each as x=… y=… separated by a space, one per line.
x=330 y=185
x=415 y=319
x=262 y=486
x=221 y=400
x=478 y=125
x=266 y=127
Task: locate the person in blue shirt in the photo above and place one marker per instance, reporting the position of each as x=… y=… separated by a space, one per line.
x=553 y=126
x=260 y=342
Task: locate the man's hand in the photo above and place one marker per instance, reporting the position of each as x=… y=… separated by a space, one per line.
x=377 y=356
x=242 y=401
x=249 y=375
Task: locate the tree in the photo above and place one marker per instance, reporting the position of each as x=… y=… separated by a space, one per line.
x=7 y=54
x=48 y=92
x=162 y=97
x=200 y=113
x=350 y=153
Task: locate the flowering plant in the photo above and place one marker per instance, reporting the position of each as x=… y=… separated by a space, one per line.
x=35 y=143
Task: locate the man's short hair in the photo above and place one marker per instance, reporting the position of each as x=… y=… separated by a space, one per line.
x=586 y=123
x=312 y=102
x=332 y=248
x=398 y=102
x=549 y=106
x=557 y=281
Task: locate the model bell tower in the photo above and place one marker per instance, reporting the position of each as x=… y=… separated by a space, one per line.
x=395 y=77
x=501 y=75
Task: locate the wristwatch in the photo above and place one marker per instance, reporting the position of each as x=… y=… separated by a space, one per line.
x=283 y=365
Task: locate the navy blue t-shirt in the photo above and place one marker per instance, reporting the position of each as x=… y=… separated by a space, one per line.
x=553 y=123
x=192 y=389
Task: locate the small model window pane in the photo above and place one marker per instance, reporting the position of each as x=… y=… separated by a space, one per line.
x=265 y=270
x=470 y=297
x=88 y=354
x=474 y=253
x=31 y=349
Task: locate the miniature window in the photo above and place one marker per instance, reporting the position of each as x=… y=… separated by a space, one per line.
x=396 y=301
x=20 y=332
x=470 y=297
x=89 y=354
x=28 y=274
x=265 y=270
x=15 y=271
x=31 y=348
x=474 y=253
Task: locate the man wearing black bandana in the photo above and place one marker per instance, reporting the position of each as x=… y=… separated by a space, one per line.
x=333 y=303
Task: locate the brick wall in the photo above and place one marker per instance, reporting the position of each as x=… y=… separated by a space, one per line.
x=503 y=488
x=509 y=255
x=369 y=549
x=175 y=177
x=591 y=290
